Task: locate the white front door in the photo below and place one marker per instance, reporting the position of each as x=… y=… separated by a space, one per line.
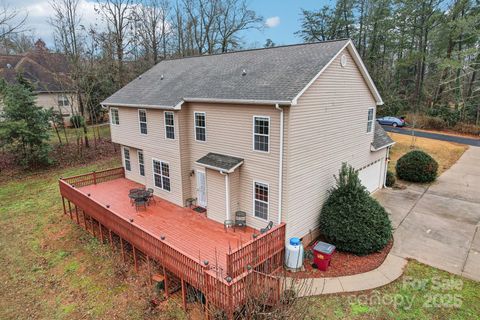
x=201 y=189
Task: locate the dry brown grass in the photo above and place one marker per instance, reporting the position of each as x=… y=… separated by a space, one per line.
x=445 y=153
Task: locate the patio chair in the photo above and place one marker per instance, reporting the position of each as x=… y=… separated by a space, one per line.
x=150 y=197
x=240 y=219
x=140 y=203
x=267 y=228
x=229 y=224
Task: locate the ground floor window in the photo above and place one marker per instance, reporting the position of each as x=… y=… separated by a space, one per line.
x=141 y=163
x=126 y=157
x=161 y=174
x=260 y=196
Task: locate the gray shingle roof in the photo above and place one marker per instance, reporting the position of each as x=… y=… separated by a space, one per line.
x=380 y=138
x=274 y=74
x=220 y=161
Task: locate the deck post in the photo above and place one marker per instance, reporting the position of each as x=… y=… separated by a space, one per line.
x=101 y=231
x=85 y=220
x=70 y=209
x=184 y=298
x=64 y=209
x=93 y=227
x=110 y=238
x=76 y=214
x=149 y=271
x=135 y=258
x=121 y=247
x=165 y=281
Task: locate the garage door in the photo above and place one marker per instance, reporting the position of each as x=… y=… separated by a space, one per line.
x=371 y=175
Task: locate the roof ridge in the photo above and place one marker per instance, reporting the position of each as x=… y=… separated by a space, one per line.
x=256 y=49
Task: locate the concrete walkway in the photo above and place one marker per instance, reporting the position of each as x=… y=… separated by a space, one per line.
x=439 y=224
x=390 y=270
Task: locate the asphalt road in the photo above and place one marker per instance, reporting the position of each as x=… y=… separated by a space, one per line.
x=436 y=136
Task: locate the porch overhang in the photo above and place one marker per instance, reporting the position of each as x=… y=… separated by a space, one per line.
x=220 y=162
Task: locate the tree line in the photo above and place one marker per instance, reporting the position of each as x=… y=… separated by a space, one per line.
x=424 y=56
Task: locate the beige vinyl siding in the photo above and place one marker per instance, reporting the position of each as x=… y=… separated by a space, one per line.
x=327 y=127
x=230 y=131
x=234 y=179
x=50 y=100
x=215 y=195
x=183 y=133
x=154 y=145
x=134 y=173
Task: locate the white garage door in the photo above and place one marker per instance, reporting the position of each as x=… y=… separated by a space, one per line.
x=371 y=175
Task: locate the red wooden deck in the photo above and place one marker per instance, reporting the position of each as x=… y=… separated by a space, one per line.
x=183 y=228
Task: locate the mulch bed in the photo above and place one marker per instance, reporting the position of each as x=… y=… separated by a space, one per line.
x=343 y=264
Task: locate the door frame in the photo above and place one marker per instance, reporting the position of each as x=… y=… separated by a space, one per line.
x=204 y=172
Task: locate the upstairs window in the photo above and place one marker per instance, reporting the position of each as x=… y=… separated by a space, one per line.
x=169 y=125
x=370 y=120
x=200 y=126
x=142 y=118
x=261 y=200
x=114 y=119
x=141 y=163
x=161 y=175
x=261 y=131
x=63 y=101
x=126 y=157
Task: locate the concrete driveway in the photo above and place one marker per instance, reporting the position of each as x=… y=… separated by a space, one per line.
x=439 y=224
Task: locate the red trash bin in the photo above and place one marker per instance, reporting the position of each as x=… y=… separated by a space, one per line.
x=322 y=255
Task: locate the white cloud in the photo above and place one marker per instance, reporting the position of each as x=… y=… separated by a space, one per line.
x=272 y=22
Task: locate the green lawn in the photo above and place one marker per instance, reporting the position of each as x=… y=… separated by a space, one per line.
x=51 y=269
x=72 y=133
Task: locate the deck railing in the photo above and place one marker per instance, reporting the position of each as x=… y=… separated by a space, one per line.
x=267 y=248
x=218 y=291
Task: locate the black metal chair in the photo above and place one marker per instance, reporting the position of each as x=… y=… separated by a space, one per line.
x=267 y=228
x=240 y=219
x=140 y=203
x=150 y=197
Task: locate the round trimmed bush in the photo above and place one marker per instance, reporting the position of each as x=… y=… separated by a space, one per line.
x=351 y=219
x=390 y=181
x=417 y=166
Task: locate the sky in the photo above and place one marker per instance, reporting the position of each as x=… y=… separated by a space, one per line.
x=281 y=18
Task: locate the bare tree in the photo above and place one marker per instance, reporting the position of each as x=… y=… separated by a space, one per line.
x=153 y=24
x=118 y=16
x=235 y=16
x=11 y=21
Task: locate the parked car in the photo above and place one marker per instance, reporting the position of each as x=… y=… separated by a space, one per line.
x=391 y=121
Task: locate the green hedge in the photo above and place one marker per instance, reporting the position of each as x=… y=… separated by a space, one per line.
x=390 y=181
x=417 y=166
x=351 y=219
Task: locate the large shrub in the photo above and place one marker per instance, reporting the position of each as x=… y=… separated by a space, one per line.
x=417 y=166
x=351 y=219
x=77 y=121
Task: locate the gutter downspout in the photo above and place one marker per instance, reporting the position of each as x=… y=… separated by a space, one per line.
x=280 y=165
x=386 y=167
x=227 y=194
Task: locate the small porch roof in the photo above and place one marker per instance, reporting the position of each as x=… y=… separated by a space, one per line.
x=220 y=162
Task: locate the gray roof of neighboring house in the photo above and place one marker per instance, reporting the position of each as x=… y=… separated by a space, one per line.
x=220 y=161
x=380 y=138
x=273 y=74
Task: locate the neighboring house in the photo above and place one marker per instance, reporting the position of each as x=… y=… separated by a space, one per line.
x=49 y=73
x=263 y=131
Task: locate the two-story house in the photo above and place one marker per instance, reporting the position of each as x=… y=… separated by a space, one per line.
x=263 y=131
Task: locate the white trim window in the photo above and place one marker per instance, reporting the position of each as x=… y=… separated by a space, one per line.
x=370 y=120
x=63 y=101
x=142 y=119
x=114 y=118
x=260 y=200
x=200 y=119
x=141 y=163
x=161 y=174
x=126 y=159
x=169 y=125
x=261 y=133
